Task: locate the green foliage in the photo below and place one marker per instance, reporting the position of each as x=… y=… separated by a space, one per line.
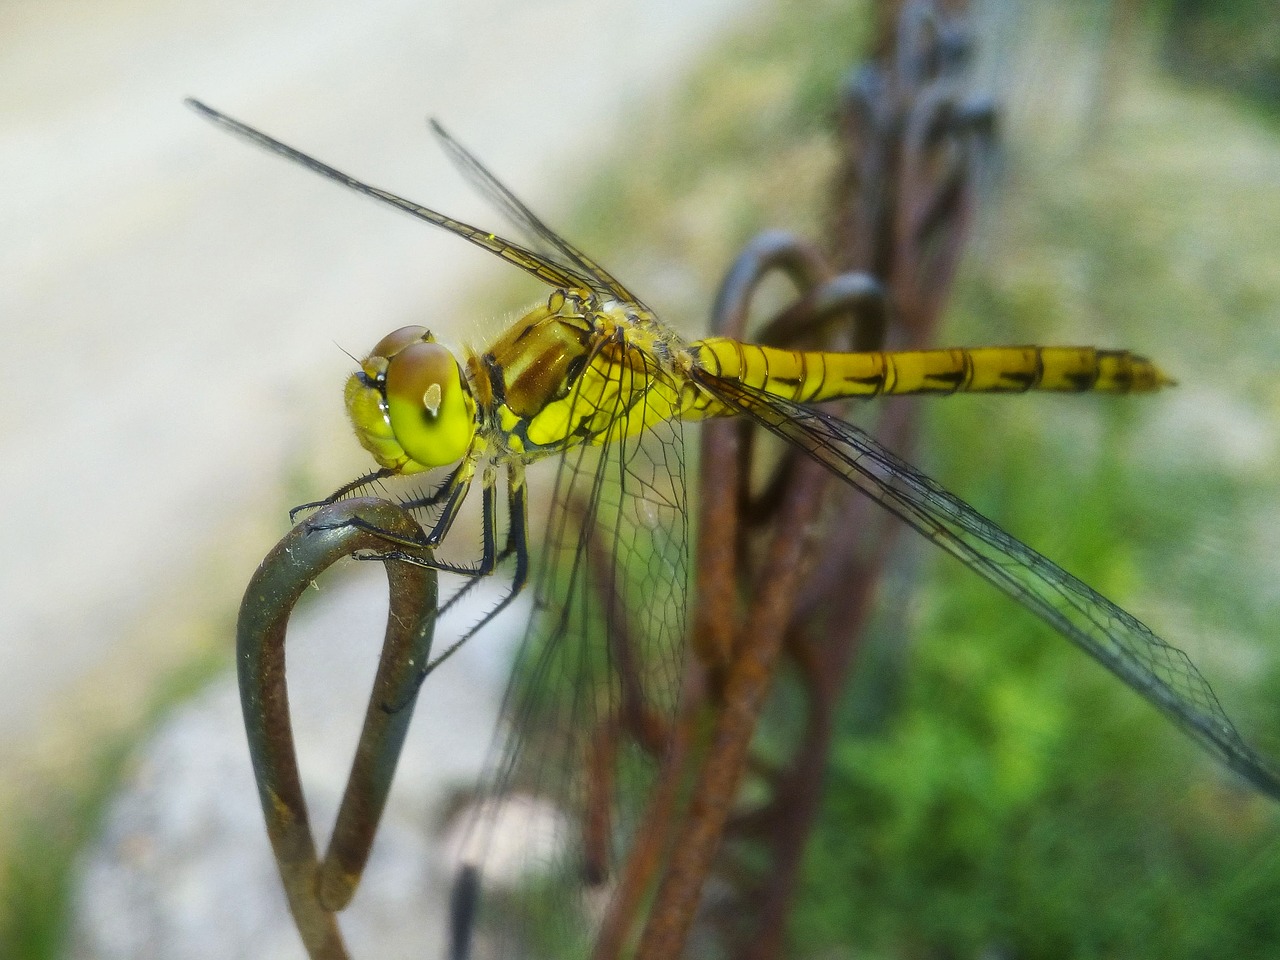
x=1023 y=803
x=1232 y=43
x=1020 y=802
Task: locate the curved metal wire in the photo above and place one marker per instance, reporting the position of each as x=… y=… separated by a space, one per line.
x=317 y=890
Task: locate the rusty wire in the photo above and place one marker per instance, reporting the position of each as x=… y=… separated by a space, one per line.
x=914 y=145
x=773 y=585
x=317 y=889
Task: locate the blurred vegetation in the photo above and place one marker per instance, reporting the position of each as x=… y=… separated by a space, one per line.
x=37 y=872
x=1231 y=43
x=46 y=839
x=1020 y=802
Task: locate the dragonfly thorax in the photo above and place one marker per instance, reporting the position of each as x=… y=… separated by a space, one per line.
x=410 y=404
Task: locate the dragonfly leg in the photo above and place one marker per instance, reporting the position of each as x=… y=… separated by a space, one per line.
x=490 y=561
x=517 y=546
x=417 y=503
x=453 y=491
x=342 y=492
x=445 y=489
x=456 y=493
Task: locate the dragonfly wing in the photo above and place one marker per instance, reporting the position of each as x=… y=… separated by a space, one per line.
x=550 y=243
x=1162 y=673
x=593 y=692
x=549 y=271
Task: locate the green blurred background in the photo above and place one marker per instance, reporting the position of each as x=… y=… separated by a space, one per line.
x=997 y=795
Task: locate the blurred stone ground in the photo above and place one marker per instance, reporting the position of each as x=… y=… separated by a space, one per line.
x=182 y=869
x=170 y=309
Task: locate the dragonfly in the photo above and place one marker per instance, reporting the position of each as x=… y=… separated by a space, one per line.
x=591 y=378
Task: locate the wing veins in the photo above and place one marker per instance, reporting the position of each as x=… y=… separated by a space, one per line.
x=1108 y=633
x=590 y=272
x=533 y=263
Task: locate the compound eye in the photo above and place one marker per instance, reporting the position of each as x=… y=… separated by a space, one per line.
x=397 y=340
x=430 y=409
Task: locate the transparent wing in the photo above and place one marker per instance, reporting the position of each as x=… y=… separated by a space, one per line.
x=554 y=246
x=1162 y=673
x=593 y=693
x=545 y=269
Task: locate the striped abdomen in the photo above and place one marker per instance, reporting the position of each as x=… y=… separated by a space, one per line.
x=812 y=377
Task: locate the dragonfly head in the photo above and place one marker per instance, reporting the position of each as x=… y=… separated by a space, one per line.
x=410 y=404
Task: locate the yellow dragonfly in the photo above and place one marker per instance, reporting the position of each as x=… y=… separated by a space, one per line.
x=593 y=378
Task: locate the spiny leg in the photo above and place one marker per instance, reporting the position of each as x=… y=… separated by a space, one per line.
x=442 y=490
x=453 y=492
x=455 y=487
x=342 y=492
x=517 y=545
x=508 y=550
